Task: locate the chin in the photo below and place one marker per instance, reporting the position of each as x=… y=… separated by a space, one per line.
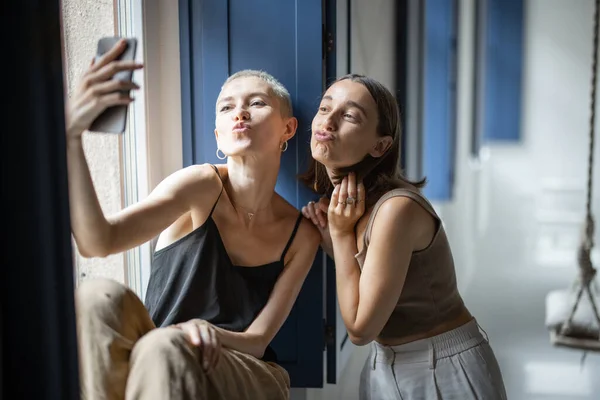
x=240 y=148
x=261 y=152
x=238 y=152
x=323 y=157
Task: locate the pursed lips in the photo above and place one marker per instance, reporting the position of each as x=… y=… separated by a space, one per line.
x=322 y=136
x=240 y=127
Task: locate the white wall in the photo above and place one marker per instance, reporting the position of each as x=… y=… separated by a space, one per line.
x=557 y=86
x=373 y=40
x=84 y=22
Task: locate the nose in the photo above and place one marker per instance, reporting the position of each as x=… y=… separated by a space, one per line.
x=241 y=115
x=329 y=123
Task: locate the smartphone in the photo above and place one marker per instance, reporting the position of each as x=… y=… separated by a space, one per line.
x=114 y=119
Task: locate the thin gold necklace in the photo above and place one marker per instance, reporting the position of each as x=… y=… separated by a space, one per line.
x=248 y=213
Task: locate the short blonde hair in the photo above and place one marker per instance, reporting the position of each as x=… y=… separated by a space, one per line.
x=280 y=92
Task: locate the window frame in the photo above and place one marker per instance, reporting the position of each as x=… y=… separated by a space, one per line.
x=152 y=147
x=129 y=22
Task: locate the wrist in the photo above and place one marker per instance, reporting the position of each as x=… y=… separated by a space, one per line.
x=74 y=141
x=341 y=234
x=74 y=133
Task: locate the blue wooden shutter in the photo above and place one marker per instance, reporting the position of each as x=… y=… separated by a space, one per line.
x=439 y=108
x=284 y=38
x=503 y=70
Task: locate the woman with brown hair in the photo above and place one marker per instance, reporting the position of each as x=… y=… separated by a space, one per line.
x=395 y=276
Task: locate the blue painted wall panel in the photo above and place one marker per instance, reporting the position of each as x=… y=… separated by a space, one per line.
x=439 y=111
x=503 y=72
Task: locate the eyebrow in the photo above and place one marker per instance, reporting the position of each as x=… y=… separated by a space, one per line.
x=253 y=94
x=351 y=104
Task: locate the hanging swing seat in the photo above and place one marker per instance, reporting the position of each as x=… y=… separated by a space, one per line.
x=572 y=315
x=583 y=332
x=559 y=340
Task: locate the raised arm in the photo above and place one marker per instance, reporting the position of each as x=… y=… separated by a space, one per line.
x=99 y=236
x=368 y=297
x=95 y=234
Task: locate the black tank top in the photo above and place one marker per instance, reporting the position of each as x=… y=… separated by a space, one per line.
x=195 y=278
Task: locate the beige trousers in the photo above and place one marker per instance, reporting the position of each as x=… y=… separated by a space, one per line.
x=124 y=356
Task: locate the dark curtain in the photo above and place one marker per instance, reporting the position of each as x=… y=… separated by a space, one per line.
x=39 y=352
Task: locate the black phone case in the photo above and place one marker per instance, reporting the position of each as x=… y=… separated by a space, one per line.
x=114 y=119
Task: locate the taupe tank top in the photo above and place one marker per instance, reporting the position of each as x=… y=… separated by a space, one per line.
x=430 y=295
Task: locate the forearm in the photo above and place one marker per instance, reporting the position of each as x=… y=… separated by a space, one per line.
x=242 y=341
x=90 y=228
x=327 y=248
x=347 y=278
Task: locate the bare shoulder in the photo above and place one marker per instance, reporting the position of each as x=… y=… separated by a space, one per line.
x=198 y=186
x=305 y=244
x=399 y=207
x=284 y=209
x=196 y=174
x=195 y=181
x=402 y=215
x=308 y=233
x=308 y=236
x=403 y=210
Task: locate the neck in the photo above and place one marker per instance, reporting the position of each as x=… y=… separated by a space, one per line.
x=251 y=184
x=330 y=174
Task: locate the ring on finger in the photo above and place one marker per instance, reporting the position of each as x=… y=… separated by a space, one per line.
x=350 y=200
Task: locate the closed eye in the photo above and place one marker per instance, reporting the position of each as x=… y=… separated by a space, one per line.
x=258 y=103
x=225 y=108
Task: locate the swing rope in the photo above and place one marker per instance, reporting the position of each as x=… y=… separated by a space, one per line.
x=587 y=272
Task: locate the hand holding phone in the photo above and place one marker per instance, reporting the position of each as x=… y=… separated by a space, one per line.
x=101 y=100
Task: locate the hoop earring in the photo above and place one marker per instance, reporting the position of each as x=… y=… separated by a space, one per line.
x=218 y=156
x=284 y=147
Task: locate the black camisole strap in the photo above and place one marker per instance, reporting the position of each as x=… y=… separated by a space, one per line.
x=220 y=193
x=289 y=243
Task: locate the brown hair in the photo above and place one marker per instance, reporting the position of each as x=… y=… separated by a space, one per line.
x=378 y=174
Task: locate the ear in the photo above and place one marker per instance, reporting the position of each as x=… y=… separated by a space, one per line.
x=382 y=145
x=217 y=135
x=290 y=128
